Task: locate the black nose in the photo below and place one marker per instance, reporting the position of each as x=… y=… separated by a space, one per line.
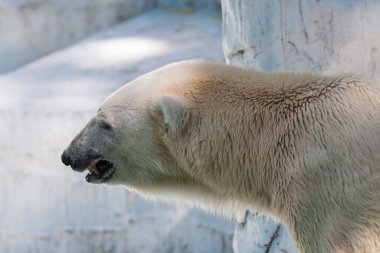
x=65 y=158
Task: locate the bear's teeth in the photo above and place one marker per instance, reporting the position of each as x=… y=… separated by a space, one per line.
x=94 y=169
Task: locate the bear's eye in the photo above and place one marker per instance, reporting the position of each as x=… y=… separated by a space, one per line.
x=102 y=122
x=104 y=125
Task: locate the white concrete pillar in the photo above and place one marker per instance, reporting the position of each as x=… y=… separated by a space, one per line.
x=303 y=35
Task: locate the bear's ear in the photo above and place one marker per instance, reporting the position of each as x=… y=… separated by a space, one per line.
x=175 y=113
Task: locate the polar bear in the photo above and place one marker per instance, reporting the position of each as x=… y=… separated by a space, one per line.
x=302 y=148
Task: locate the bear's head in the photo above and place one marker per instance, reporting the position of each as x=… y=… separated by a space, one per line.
x=124 y=143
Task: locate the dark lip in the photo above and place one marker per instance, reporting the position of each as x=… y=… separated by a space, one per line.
x=82 y=166
x=78 y=169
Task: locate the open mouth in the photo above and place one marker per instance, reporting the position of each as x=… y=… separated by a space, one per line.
x=100 y=171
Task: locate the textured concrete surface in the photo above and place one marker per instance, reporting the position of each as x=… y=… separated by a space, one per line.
x=46 y=207
x=190 y=5
x=256 y=233
x=304 y=35
x=32 y=28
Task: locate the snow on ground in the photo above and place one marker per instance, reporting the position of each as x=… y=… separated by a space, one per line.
x=46 y=207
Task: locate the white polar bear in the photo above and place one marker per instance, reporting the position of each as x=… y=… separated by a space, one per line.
x=303 y=148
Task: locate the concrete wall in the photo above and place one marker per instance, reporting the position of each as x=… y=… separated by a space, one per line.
x=190 y=5
x=298 y=35
x=32 y=28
